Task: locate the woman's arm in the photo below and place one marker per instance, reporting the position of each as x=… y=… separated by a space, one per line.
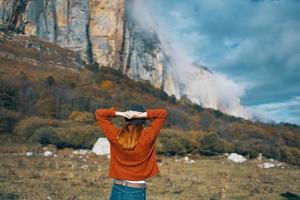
x=118 y=113
x=159 y=117
x=103 y=119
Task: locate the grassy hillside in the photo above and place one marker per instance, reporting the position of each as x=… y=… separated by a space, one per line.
x=48 y=96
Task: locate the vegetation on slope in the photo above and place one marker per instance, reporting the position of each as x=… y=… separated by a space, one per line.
x=47 y=104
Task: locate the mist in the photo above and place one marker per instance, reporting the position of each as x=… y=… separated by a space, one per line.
x=201 y=86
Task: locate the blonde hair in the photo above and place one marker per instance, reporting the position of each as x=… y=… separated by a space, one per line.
x=128 y=140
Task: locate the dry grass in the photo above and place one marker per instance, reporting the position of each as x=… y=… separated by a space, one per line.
x=71 y=177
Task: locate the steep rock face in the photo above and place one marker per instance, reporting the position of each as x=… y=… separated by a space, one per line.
x=92 y=27
x=100 y=30
x=143 y=56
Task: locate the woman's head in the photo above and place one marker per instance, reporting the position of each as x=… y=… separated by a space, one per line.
x=135 y=121
x=132 y=129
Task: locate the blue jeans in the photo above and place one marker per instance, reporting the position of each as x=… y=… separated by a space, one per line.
x=122 y=192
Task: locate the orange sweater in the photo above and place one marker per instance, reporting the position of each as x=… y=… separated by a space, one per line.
x=139 y=163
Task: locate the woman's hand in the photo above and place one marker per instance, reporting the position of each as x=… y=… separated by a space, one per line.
x=132 y=114
x=135 y=114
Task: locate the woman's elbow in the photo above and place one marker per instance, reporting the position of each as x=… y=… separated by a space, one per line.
x=98 y=113
x=164 y=113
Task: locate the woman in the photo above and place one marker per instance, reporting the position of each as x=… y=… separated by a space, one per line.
x=132 y=150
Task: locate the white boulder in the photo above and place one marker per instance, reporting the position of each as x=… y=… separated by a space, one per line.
x=29 y=153
x=267 y=165
x=48 y=153
x=101 y=147
x=237 y=158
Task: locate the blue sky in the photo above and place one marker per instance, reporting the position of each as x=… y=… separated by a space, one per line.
x=256 y=43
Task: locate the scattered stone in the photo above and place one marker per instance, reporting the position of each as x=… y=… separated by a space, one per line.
x=81 y=152
x=48 y=153
x=191 y=161
x=29 y=153
x=237 y=158
x=186 y=160
x=85 y=166
x=271 y=163
x=266 y=165
x=260 y=156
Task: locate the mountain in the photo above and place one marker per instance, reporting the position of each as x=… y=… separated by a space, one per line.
x=112 y=34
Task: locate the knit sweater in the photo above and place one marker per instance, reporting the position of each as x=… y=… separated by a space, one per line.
x=139 y=163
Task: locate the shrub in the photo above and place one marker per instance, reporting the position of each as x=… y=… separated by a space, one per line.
x=186 y=143
x=212 y=143
x=222 y=146
x=50 y=81
x=268 y=150
x=159 y=147
x=106 y=85
x=246 y=148
x=78 y=136
x=290 y=155
x=8 y=120
x=46 y=106
x=173 y=147
x=207 y=141
x=206 y=120
x=179 y=119
x=26 y=127
x=45 y=136
x=65 y=133
x=83 y=117
x=172 y=99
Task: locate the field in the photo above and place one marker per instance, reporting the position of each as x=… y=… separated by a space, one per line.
x=66 y=175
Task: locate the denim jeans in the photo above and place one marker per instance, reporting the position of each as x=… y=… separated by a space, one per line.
x=122 y=192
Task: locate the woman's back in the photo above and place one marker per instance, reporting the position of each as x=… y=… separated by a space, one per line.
x=140 y=162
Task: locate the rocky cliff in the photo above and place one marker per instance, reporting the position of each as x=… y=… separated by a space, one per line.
x=99 y=29
x=92 y=27
x=109 y=33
